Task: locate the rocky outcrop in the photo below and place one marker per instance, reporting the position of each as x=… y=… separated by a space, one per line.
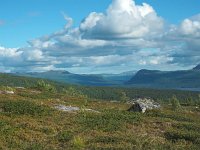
x=141 y=105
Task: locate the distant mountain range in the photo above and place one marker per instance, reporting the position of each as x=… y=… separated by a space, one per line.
x=82 y=79
x=187 y=79
x=182 y=79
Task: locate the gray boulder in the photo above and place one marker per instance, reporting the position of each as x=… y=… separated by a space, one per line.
x=141 y=105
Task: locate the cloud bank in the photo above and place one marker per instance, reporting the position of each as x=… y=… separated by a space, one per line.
x=126 y=36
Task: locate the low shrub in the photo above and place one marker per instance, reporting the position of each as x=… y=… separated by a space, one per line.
x=78 y=143
x=174 y=134
x=64 y=136
x=7 y=88
x=187 y=126
x=23 y=107
x=111 y=120
x=34 y=146
x=174 y=116
x=107 y=139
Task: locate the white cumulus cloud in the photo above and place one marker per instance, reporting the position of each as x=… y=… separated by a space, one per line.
x=123 y=19
x=126 y=36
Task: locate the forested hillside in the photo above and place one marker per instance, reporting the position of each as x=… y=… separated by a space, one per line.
x=166 y=79
x=104 y=93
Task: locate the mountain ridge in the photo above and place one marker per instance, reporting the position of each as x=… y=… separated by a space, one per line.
x=143 y=78
x=166 y=79
x=197 y=67
x=82 y=79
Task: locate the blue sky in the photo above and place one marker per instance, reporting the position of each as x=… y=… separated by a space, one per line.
x=34 y=33
x=34 y=18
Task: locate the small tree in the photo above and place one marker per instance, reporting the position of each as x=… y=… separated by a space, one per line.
x=198 y=102
x=123 y=97
x=41 y=85
x=175 y=103
x=190 y=101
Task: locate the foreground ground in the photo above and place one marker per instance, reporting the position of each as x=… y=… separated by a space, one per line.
x=29 y=120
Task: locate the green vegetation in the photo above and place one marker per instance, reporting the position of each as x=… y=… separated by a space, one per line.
x=123 y=97
x=29 y=119
x=103 y=93
x=166 y=79
x=114 y=93
x=175 y=103
x=32 y=122
x=109 y=120
x=22 y=107
x=43 y=86
x=64 y=136
x=78 y=143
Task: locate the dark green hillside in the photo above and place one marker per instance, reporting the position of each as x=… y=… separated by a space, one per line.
x=21 y=81
x=109 y=93
x=12 y=80
x=166 y=79
x=104 y=93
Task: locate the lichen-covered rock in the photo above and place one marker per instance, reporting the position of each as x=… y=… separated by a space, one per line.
x=72 y=109
x=141 y=105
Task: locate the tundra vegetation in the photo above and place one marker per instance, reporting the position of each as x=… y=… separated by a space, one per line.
x=29 y=120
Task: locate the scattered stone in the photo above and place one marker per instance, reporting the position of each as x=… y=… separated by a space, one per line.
x=19 y=87
x=92 y=110
x=7 y=92
x=141 y=105
x=114 y=101
x=67 y=108
x=36 y=92
x=71 y=109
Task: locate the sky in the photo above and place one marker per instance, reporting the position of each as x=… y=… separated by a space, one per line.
x=104 y=36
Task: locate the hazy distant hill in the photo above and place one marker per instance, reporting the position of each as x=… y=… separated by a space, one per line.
x=183 y=79
x=118 y=78
x=167 y=79
x=82 y=79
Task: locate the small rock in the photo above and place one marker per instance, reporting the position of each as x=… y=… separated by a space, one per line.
x=9 y=92
x=114 y=101
x=92 y=110
x=19 y=87
x=36 y=92
x=67 y=108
